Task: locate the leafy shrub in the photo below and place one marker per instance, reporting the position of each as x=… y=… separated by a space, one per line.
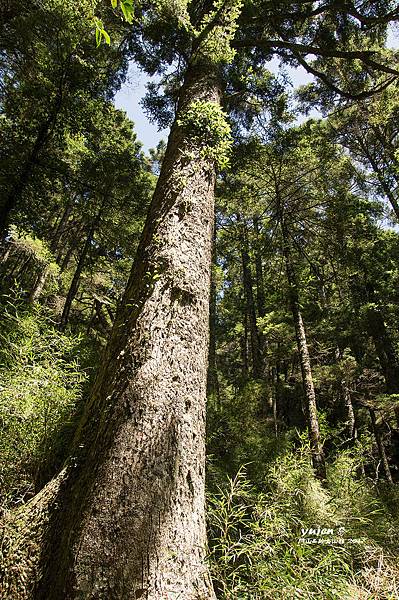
x=41 y=384
x=255 y=532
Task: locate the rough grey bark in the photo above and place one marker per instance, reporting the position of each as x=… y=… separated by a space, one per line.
x=128 y=520
x=213 y=380
x=304 y=358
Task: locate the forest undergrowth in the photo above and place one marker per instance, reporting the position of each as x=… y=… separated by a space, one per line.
x=275 y=530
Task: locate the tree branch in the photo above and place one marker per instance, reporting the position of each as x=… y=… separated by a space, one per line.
x=305 y=49
x=323 y=77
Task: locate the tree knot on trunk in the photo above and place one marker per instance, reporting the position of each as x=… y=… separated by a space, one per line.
x=183 y=296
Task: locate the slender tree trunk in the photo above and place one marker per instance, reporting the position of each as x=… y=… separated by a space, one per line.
x=380 y=445
x=23 y=177
x=64 y=261
x=384 y=348
x=73 y=288
x=275 y=389
x=103 y=322
x=92 y=317
x=59 y=230
x=24 y=266
x=261 y=309
x=260 y=284
x=385 y=351
x=5 y=252
x=244 y=348
x=38 y=285
x=350 y=413
x=257 y=366
x=18 y=259
x=128 y=519
x=303 y=351
x=380 y=176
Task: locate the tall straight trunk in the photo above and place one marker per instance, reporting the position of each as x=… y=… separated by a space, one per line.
x=24 y=175
x=381 y=178
x=261 y=310
x=60 y=228
x=349 y=411
x=275 y=384
x=380 y=446
x=128 y=518
x=38 y=286
x=244 y=348
x=73 y=288
x=304 y=358
x=385 y=349
x=260 y=284
x=64 y=259
x=256 y=354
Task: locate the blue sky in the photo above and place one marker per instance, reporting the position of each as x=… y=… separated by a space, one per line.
x=131 y=93
x=128 y=98
x=133 y=90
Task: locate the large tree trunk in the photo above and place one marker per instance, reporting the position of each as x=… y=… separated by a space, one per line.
x=304 y=358
x=212 y=386
x=128 y=520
